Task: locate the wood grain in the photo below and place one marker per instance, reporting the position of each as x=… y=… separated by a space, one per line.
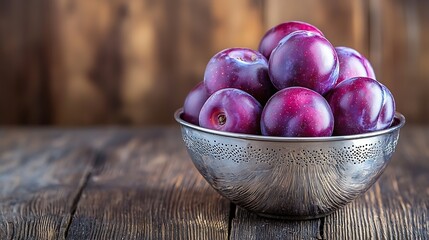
x=399 y=53
x=147 y=188
x=112 y=183
x=120 y=62
x=40 y=184
x=397 y=206
x=247 y=225
x=139 y=56
x=25 y=62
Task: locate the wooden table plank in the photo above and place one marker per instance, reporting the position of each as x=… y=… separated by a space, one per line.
x=40 y=184
x=147 y=187
x=247 y=225
x=141 y=184
x=397 y=206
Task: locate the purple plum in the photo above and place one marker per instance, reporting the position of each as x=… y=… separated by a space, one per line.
x=231 y=110
x=297 y=112
x=240 y=68
x=273 y=36
x=304 y=59
x=361 y=105
x=353 y=64
x=194 y=102
x=387 y=113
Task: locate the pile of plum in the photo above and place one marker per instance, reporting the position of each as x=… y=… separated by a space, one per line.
x=296 y=85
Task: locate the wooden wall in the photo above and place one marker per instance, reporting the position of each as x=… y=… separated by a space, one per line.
x=68 y=62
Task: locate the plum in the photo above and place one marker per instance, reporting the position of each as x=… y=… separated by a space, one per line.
x=353 y=64
x=231 y=110
x=240 y=68
x=297 y=112
x=273 y=36
x=194 y=102
x=361 y=105
x=304 y=59
x=387 y=113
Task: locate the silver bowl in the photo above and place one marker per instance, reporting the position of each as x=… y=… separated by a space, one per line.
x=293 y=178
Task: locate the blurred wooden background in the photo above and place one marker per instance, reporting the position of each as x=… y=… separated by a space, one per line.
x=68 y=62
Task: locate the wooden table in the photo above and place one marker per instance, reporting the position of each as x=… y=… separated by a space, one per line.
x=116 y=183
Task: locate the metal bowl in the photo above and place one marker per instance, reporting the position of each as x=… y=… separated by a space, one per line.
x=290 y=177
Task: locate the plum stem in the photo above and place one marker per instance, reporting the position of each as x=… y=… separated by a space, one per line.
x=221 y=118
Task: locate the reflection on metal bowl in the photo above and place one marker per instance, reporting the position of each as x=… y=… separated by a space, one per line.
x=290 y=177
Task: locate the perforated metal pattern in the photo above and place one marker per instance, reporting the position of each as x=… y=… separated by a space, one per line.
x=349 y=153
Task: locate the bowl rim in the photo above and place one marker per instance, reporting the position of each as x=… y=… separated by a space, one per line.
x=400 y=119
